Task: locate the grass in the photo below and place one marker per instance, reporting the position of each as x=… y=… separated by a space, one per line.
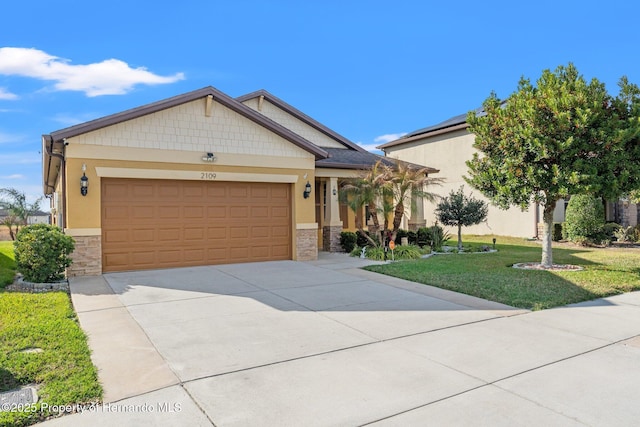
x=490 y=276
x=63 y=372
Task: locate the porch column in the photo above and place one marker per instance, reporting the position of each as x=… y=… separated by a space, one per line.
x=417 y=214
x=332 y=223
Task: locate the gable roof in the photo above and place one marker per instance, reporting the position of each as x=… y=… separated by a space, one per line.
x=452 y=124
x=218 y=96
x=302 y=117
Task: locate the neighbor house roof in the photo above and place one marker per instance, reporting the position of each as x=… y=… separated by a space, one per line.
x=452 y=124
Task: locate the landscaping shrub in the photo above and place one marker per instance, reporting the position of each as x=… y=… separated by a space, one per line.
x=413 y=237
x=407 y=252
x=423 y=237
x=557 y=231
x=362 y=241
x=42 y=253
x=438 y=237
x=348 y=240
x=626 y=235
x=610 y=229
x=400 y=234
x=584 y=219
x=377 y=253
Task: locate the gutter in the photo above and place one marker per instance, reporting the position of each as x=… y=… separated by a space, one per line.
x=49 y=150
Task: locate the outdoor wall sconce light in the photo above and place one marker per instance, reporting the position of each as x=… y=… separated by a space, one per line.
x=208 y=157
x=84 y=181
x=307 y=190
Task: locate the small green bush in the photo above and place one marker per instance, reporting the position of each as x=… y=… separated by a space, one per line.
x=407 y=252
x=348 y=240
x=377 y=253
x=438 y=237
x=423 y=236
x=362 y=241
x=42 y=253
x=584 y=219
x=413 y=237
x=626 y=235
x=610 y=229
x=557 y=231
x=400 y=234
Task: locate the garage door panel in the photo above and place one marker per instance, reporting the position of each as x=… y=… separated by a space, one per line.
x=160 y=224
x=169 y=212
x=216 y=212
x=141 y=213
x=239 y=212
x=141 y=235
x=114 y=213
x=142 y=191
x=194 y=212
x=280 y=212
x=169 y=234
x=116 y=236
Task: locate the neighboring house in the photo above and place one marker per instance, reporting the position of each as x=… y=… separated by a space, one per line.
x=447 y=146
x=37 y=217
x=198 y=179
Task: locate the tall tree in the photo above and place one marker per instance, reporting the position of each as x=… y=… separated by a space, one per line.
x=563 y=136
x=15 y=202
x=408 y=183
x=460 y=210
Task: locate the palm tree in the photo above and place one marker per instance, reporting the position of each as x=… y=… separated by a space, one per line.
x=357 y=193
x=409 y=182
x=15 y=202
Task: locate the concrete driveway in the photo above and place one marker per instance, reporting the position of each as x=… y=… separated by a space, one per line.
x=325 y=343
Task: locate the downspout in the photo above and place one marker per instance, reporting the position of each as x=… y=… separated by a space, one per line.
x=63 y=170
x=537 y=220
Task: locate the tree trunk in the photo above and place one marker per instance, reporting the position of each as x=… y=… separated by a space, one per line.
x=363 y=233
x=547 y=218
x=459 y=237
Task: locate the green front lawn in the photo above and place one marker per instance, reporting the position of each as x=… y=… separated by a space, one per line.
x=490 y=275
x=62 y=372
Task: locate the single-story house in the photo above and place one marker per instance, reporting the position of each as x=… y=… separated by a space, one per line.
x=447 y=146
x=200 y=178
x=36 y=217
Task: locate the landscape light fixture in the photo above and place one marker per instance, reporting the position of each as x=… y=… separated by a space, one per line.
x=84 y=181
x=307 y=190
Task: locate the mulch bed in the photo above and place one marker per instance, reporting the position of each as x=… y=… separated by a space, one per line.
x=554 y=267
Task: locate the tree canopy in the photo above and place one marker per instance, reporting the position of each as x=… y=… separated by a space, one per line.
x=562 y=136
x=19 y=210
x=460 y=210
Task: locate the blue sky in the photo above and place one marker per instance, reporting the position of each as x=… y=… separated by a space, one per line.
x=370 y=70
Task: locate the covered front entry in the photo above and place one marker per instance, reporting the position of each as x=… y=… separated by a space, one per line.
x=150 y=224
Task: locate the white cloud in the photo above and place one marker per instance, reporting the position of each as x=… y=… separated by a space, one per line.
x=14 y=176
x=70 y=120
x=383 y=139
x=6 y=95
x=109 y=77
x=370 y=147
x=11 y=138
x=23 y=158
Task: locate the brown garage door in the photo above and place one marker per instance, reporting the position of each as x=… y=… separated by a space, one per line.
x=161 y=223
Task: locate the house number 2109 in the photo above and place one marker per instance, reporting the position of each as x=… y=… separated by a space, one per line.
x=207 y=175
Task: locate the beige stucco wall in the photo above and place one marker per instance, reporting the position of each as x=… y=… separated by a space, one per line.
x=293 y=123
x=448 y=153
x=170 y=144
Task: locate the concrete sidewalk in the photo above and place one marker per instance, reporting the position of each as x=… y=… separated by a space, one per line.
x=326 y=343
